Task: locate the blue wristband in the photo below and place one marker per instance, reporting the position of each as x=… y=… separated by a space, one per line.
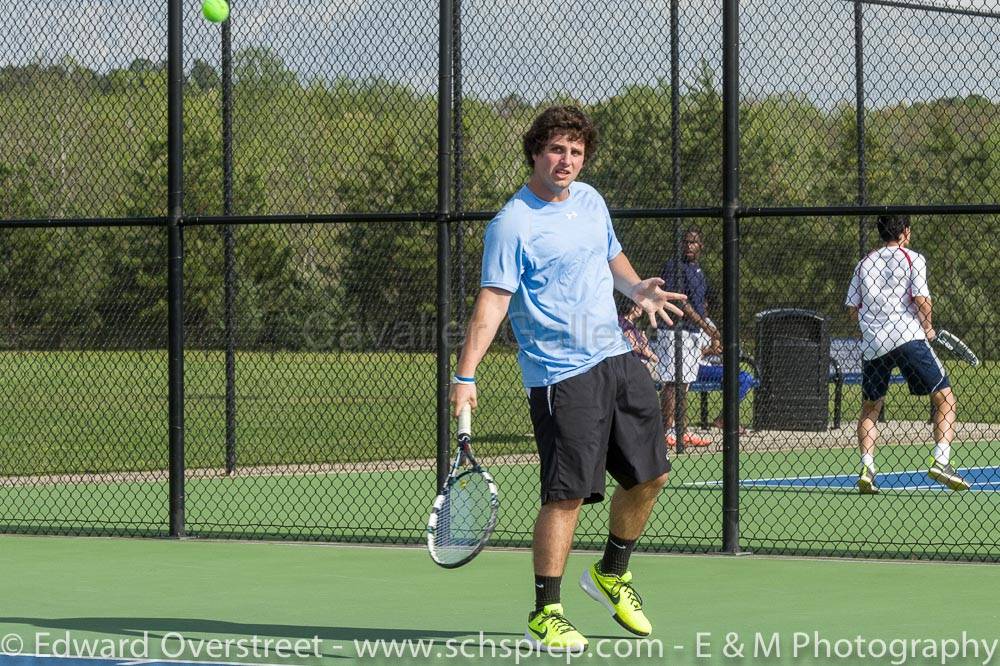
x=463 y=380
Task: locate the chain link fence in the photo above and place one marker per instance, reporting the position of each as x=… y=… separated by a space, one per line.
x=86 y=389
x=311 y=213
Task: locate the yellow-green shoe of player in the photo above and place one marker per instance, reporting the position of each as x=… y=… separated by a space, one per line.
x=549 y=630
x=866 y=481
x=619 y=597
x=947 y=475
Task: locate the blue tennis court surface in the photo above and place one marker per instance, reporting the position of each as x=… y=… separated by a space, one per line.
x=980 y=478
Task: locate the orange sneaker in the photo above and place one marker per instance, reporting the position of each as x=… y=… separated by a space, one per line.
x=671 y=440
x=696 y=440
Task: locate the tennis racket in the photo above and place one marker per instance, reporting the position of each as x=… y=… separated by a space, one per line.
x=465 y=512
x=953 y=344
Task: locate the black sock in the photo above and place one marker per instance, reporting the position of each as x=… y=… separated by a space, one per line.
x=546 y=590
x=616 y=554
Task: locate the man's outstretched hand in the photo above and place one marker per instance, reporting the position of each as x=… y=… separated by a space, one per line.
x=655 y=302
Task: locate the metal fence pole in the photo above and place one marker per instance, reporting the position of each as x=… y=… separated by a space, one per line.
x=680 y=397
x=175 y=262
x=675 y=106
x=859 y=112
x=229 y=243
x=459 y=193
x=730 y=277
x=443 y=245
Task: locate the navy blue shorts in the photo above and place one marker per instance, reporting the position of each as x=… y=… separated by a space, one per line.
x=916 y=362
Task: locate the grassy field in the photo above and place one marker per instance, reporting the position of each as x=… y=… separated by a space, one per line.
x=107 y=411
x=90 y=412
x=68 y=412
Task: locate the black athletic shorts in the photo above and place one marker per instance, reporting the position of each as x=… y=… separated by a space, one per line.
x=606 y=419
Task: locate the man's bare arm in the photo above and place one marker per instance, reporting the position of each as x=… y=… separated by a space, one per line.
x=645 y=293
x=924 y=315
x=487 y=315
x=699 y=321
x=625 y=276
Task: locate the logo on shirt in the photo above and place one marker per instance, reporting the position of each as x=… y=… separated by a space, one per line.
x=570 y=215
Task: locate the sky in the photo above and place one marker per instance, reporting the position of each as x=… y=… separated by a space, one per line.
x=590 y=49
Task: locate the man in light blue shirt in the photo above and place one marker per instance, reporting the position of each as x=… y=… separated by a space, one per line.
x=551 y=263
x=552 y=256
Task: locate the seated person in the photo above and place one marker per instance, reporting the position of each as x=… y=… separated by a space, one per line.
x=707 y=369
x=710 y=370
x=639 y=341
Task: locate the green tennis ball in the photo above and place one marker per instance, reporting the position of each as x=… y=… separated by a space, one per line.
x=215 y=11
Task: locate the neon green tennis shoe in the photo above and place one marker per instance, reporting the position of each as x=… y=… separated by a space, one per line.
x=866 y=481
x=947 y=475
x=549 y=630
x=619 y=597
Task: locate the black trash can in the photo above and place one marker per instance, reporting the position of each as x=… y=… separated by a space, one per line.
x=793 y=357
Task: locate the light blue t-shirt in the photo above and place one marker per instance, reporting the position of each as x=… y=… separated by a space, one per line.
x=553 y=257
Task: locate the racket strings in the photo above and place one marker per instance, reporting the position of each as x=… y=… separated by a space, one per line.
x=469 y=508
x=464 y=518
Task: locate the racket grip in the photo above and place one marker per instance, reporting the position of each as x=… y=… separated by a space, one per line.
x=465 y=421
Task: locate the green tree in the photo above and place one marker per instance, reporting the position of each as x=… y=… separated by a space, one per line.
x=388 y=269
x=45 y=279
x=204 y=77
x=269 y=287
x=258 y=68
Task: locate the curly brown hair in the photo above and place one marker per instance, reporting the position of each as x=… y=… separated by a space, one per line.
x=560 y=120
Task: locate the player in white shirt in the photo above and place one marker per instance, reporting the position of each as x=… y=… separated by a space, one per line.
x=889 y=299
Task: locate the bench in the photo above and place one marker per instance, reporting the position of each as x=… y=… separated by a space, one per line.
x=845 y=368
x=702 y=388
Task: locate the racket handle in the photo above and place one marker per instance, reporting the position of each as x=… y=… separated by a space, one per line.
x=465 y=421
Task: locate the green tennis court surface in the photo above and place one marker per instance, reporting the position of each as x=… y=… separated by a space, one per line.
x=178 y=596
x=792 y=515
x=291 y=413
